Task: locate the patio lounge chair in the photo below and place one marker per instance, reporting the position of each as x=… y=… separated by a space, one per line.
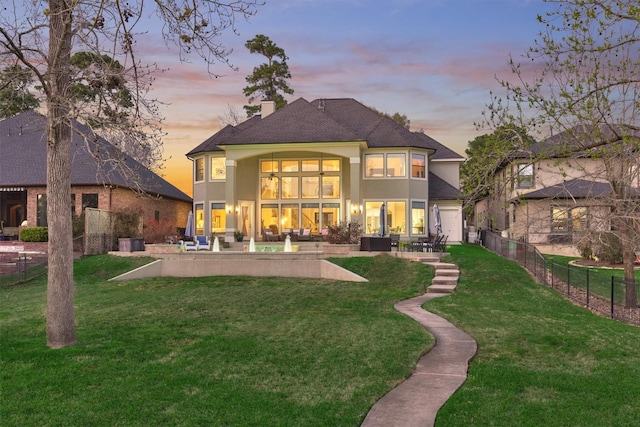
x=188 y=245
x=203 y=243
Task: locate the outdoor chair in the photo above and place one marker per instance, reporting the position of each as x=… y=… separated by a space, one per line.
x=441 y=246
x=269 y=236
x=305 y=235
x=432 y=246
x=203 y=243
x=188 y=245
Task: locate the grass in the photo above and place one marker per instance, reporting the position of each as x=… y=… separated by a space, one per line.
x=541 y=360
x=272 y=351
x=211 y=351
x=599 y=278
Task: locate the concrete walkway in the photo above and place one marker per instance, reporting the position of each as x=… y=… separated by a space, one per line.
x=439 y=373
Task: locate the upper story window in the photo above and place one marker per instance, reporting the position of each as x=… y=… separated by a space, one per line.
x=374 y=165
x=381 y=165
x=269 y=166
x=218 y=168
x=310 y=165
x=290 y=166
x=331 y=165
x=396 y=164
x=300 y=179
x=199 y=169
x=525 y=175
x=418 y=165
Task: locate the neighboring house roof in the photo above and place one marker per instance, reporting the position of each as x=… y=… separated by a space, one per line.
x=23 y=159
x=439 y=189
x=575 y=142
x=572 y=189
x=323 y=120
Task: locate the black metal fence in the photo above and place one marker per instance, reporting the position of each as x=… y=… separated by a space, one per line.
x=594 y=288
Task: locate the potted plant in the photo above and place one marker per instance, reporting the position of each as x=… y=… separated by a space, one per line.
x=239 y=236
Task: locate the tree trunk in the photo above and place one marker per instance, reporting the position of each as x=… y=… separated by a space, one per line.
x=60 y=313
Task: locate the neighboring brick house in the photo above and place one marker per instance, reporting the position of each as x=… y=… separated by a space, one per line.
x=314 y=164
x=550 y=198
x=23 y=166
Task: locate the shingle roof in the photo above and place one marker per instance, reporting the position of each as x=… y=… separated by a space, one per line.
x=575 y=142
x=439 y=189
x=441 y=152
x=575 y=188
x=23 y=158
x=323 y=120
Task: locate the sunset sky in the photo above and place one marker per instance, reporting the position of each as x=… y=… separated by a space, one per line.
x=432 y=60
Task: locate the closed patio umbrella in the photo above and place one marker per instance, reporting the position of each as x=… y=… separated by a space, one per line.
x=383 y=222
x=190 y=230
x=436 y=218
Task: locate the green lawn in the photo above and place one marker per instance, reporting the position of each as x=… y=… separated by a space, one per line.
x=541 y=360
x=599 y=279
x=277 y=352
x=211 y=351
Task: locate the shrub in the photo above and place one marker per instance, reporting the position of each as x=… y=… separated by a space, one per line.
x=585 y=248
x=34 y=234
x=78 y=225
x=127 y=224
x=344 y=233
x=157 y=231
x=610 y=249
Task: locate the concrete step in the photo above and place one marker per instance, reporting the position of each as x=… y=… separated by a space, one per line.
x=441 y=289
x=443 y=265
x=444 y=280
x=452 y=272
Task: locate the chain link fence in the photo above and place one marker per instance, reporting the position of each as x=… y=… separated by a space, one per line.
x=21 y=267
x=596 y=289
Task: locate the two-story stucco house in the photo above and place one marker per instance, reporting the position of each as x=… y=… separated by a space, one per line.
x=314 y=164
x=553 y=194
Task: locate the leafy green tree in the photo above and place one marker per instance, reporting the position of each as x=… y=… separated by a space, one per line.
x=15 y=94
x=487 y=154
x=402 y=120
x=42 y=36
x=581 y=78
x=268 y=80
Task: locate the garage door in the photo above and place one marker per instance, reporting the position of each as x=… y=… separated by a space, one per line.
x=451 y=223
